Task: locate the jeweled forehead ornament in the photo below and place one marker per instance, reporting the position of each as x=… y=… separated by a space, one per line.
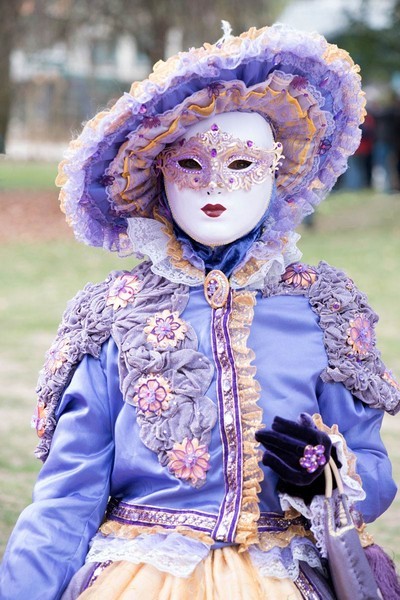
x=216 y=158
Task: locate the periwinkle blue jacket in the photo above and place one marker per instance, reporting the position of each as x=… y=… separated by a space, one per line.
x=311 y=341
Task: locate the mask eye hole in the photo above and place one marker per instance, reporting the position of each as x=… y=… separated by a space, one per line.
x=240 y=164
x=190 y=164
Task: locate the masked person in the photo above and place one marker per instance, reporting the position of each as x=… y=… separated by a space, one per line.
x=162 y=380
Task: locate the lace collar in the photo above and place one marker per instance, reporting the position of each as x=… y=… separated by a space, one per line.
x=264 y=263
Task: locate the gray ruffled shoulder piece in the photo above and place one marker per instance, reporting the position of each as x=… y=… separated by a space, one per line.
x=162 y=374
x=348 y=324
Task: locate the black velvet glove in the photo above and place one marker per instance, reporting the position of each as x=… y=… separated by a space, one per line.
x=297 y=452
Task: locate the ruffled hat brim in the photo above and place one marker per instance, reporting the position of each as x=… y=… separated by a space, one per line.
x=309 y=90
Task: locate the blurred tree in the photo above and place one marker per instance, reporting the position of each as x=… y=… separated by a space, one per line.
x=9 y=10
x=38 y=24
x=149 y=21
x=377 y=51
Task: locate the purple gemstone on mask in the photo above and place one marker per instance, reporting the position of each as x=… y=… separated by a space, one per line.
x=214 y=127
x=196 y=179
x=143 y=109
x=249 y=143
x=231 y=180
x=213 y=153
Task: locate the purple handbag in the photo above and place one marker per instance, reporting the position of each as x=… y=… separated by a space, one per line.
x=351 y=574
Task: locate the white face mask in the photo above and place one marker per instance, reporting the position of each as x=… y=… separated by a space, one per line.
x=219 y=177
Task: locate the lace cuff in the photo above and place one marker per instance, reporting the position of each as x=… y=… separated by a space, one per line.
x=284 y=562
x=172 y=552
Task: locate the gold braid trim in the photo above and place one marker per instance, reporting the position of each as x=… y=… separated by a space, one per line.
x=281 y=539
x=249 y=268
x=253 y=265
x=251 y=415
x=128 y=532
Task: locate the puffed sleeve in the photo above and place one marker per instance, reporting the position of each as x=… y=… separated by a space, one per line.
x=360 y=426
x=50 y=541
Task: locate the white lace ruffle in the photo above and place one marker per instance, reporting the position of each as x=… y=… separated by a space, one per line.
x=149 y=239
x=179 y=555
x=284 y=562
x=172 y=553
x=272 y=270
x=315 y=511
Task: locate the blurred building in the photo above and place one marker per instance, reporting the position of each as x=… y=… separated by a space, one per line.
x=331 y=16
x=58 y=88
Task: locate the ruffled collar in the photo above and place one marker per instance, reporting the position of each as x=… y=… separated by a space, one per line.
x=263 y=263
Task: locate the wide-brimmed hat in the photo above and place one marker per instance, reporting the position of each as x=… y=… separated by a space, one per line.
x=309 y=90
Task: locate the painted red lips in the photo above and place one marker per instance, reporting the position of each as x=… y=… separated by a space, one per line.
x=213 y=210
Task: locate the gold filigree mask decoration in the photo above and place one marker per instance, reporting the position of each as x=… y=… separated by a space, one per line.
x=216 y=158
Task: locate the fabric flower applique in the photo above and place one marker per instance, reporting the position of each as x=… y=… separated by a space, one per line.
x=153 y=395
x=189 y=460
x=57 y=355
x=165 y=330
x=123 y=290
x=360 y=335
x=38 y=420
x=389 y=378
x=299 y=275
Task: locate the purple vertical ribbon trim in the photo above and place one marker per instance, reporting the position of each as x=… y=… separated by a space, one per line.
x=214 y=324
x=230 y=424
x=238 y=437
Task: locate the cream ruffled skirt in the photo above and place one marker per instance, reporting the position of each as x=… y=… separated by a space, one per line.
x=223 y=575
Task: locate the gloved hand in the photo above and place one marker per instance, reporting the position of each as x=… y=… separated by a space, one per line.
x=297 y=452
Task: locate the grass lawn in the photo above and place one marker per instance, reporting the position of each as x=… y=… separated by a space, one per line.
x=26 y=175
x=359 y=233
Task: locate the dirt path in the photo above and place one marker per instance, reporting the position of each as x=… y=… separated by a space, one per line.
x=30 y=216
